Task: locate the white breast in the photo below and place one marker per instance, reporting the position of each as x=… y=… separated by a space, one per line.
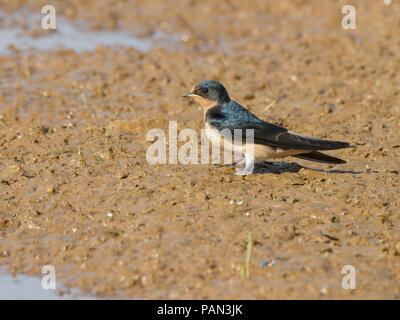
x=259 y=152
x=225 y=145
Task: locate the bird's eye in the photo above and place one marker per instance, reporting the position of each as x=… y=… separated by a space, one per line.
x=205 y=90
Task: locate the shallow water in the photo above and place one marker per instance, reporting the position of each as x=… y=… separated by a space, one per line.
x=69 y=36
x=24 y=287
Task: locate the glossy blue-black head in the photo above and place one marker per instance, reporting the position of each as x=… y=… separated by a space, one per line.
x=211 y=91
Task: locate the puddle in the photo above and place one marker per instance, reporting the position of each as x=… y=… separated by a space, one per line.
x=24 y=287
x=68 y=36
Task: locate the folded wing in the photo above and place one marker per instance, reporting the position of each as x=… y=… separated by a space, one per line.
x=275 y=136
x=234 y=116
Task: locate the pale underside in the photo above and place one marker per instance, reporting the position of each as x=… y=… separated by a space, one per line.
x=252 y=152
x=258 y=152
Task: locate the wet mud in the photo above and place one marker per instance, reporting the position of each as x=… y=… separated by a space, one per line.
x=77 y=191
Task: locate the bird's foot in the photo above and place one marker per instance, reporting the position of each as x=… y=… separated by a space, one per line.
x=243 y=171
x=225 y=165
x=248 y=168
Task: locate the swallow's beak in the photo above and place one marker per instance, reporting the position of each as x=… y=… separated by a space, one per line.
x=190 y=94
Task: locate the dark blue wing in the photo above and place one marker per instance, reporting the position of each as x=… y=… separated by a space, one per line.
x=234 y=116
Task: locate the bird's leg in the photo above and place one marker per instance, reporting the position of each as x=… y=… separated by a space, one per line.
x=248 y=168
x=240 y=160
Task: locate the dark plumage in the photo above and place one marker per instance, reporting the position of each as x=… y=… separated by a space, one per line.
x=211 y=90
x=223 y=116
x=319 y=157
x=232 y=116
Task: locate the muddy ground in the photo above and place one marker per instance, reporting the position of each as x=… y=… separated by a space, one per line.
x=77 y=192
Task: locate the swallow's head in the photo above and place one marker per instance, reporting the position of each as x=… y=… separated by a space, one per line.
x=209 y=94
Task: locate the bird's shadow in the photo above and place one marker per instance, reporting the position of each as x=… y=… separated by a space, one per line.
x=292 y=167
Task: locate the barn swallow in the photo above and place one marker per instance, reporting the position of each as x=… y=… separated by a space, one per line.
x=222 y=116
